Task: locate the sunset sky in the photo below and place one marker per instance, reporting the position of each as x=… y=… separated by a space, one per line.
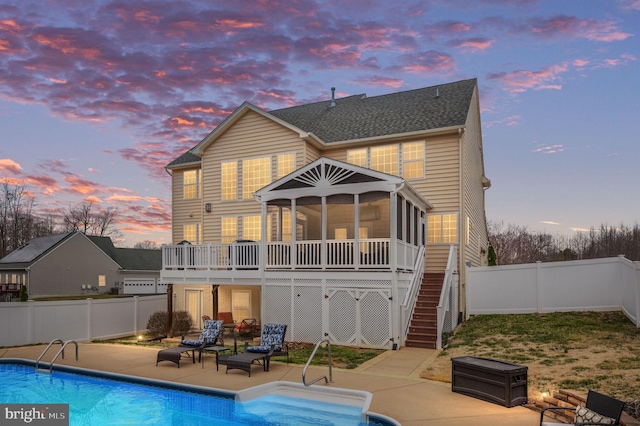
x=96 y=97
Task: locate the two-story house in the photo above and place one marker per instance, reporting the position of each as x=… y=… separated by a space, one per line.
x=328 y=216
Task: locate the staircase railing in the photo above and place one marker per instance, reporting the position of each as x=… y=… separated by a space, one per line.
x=61 y=351
x=444 y=304
x=304 y=371
x=408 y=304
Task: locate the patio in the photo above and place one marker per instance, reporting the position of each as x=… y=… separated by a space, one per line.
x=392 y=378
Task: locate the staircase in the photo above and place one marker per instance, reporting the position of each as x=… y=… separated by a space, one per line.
x=423 y=329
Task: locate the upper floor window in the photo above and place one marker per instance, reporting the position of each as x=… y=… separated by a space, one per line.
x=191 y=233
x=252 y=228
x=286 y=164
x=357 y=157
x=385 y=159
x=256 y=173
x=442 y=228
x=191 y=184
x=406 y=159
x=229 y=229
x=229 y=180
x=413 y=160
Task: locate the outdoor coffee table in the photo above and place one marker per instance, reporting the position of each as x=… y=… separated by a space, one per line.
x=173 y=354
x=217 y=350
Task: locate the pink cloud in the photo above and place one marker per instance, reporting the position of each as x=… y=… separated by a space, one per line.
x=8 y=165
x=523 y=80
x=549 y=149
x=426 y=62
x=590 y=29
x=472 y=44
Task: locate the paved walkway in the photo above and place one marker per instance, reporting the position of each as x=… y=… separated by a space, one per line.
x=393 y=378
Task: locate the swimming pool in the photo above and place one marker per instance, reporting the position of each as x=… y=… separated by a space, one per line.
x=97 y=398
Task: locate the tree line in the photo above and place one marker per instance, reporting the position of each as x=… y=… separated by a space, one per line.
x=515 y=244
x=19 y=222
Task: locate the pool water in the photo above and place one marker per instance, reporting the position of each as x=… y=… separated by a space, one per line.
x=99 y=400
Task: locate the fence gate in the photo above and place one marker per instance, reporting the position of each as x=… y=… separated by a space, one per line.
x=359 y=317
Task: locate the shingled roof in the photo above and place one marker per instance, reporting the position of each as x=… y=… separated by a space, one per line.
x=360 y=117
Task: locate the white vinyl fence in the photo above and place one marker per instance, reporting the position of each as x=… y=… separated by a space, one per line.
x=609 y=284
x=80 y=320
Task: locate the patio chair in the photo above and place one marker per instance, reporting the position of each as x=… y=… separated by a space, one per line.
x=271 y=341
x=210 y=334
x=247 y=327
x=228 y=324
x=599 y=410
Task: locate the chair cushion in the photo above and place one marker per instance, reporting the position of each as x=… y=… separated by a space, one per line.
x=261 y=348
x=191 y=342
x=583 y=414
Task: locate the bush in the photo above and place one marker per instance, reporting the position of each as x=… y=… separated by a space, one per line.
x=24 y=295
x=158 y=324
x=182 y=323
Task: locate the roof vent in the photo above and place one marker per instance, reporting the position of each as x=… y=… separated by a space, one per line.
x=437 y=92
x=333 y=96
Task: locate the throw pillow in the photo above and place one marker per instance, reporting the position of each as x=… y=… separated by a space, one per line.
x=583 y=414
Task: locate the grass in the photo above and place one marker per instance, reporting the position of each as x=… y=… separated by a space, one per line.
x=567 y=350
x=341 y=356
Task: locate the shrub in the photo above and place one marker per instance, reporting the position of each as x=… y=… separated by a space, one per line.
x=182 y=323
x=24 y=295
x=158 y=324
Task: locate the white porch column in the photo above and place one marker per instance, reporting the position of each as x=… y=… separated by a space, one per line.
x=356 y=231
x=293 y=257
x=393 y=224
x=323 y=246
x=263 y=239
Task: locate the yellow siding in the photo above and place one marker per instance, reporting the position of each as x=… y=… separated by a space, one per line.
x=251 y=136
x=183 y=211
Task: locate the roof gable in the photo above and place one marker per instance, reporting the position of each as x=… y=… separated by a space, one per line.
x=34 y=248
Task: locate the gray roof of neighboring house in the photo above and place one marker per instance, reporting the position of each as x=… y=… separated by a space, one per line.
x=360 y=117
x=128 y=258
x=31 y=251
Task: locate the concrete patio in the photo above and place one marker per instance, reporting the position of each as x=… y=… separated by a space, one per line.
x=393 y=378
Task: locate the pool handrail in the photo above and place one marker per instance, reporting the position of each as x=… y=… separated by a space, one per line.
x=61 y=351
x=304 y=371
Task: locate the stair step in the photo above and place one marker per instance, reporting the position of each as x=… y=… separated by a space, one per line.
x=424 y=345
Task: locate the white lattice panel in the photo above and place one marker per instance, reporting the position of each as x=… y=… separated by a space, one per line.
x=307 y=314
x=358 y=283
x=342 y=316
x=375 y=314
x=277 y=306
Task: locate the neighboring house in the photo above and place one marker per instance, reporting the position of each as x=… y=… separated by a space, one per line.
x=327 y=216
x=76 y=264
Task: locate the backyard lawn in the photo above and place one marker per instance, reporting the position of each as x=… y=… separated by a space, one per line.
x=570 y=350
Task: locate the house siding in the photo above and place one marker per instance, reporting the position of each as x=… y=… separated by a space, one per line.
x=75 y=262
x=183 y=211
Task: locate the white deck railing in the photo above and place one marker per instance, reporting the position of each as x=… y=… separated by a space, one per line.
x=444 y=305
x=371 y=253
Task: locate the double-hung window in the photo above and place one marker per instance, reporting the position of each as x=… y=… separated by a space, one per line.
x=191 y=184
x=229 y=180
x=442 y=228
x=256 y=173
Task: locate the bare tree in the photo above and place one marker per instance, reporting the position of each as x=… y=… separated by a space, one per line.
x=85 y=219
x=147 y=244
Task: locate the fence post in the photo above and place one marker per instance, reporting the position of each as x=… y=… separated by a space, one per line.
x=89 y=318
x=31 y=324
x=538 y=284
x=135 y=314
x=637 y=287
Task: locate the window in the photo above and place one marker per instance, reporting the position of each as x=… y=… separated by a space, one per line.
x=413 y=160
x=229 y=181
x=286 y=164
x=252 y=228
x=191 y=233
x=340 y=234
x=229 y=229
x=191 y=184
x=256 y=173
x=241 y=304
x=357 y=157
x=385 y=159
x=102 y=280
x=442 y=228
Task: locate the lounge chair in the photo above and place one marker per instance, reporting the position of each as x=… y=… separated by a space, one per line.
x=599 y=410
x=247 y=327
x=271 y=342
x=209 y=336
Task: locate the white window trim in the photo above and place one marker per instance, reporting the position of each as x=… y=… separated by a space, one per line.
x=457 y=241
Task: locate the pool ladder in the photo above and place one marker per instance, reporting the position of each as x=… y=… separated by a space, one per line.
x=61 y=351
x=304 y=372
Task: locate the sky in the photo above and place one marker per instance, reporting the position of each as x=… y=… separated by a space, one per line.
x=98 y=96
